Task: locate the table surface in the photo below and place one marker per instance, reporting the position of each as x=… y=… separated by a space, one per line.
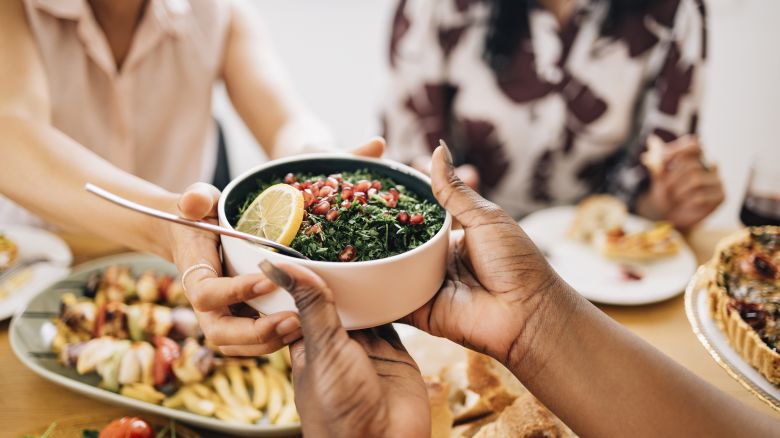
x=29 y=402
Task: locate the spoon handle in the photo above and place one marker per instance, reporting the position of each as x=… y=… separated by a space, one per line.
x=201 y=225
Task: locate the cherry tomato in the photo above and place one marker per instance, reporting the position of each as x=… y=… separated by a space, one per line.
x=127 y=427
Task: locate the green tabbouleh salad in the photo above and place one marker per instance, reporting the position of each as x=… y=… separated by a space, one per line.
x=358 y=216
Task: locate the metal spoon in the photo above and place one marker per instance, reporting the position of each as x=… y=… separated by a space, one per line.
x=201 y=225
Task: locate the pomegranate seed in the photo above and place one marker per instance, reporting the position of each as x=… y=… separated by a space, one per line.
x=375 y=184
x=290 y=178
x=371 y=192
x=337 y=177
x=360 y=197
x=306 y=184
x=332 y=215
x=297 y=185
x=362 y=186
x=314 y=229
x=394 y=192
x=315 y=191
x=403 y=217
x=321 y=208
x=346 y=193
x=319 y=183
x=326 y=191
x=345 y=204
x=332 y=183
x=417 y=219
x=308 y=198
x=389 y=200
x=348 y=254
x=305 y=215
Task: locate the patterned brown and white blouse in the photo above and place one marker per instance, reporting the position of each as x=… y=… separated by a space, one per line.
x=569 y=115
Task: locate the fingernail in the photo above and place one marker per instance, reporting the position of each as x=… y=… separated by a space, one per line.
x=276 y=275
x=447 y=153
x=288 y=326
x=289 y=339
x=260 y=287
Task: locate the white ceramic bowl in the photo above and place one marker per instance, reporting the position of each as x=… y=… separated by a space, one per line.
x=368 y=293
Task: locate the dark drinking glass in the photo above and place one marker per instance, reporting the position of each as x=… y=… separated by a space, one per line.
x=762 y=198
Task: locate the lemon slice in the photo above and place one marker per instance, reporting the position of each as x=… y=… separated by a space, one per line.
x=275 y=214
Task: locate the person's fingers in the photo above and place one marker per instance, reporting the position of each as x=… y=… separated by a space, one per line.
x=696 y=181
x=681 y=172
x=226 y=330
x=683 y=149
x=465 y=205
x=251 y=350
x=697 y=207
x=199 y=201
x=297 y=360
x=680 y=144
x=208 y=292
x=321 y=325
x=374 y=148
x=705 y=198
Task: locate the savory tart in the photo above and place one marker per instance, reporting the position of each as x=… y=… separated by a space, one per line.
x=744 y=292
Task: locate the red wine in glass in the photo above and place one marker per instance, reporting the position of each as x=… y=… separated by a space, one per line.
x=760 y=211
x=762 y=199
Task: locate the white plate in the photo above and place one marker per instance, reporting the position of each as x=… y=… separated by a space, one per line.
x=34 y=242
x=717 y=345
x=31 y=335
x=598 y=278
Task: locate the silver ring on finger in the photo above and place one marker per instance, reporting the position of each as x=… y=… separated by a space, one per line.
x=193 y=268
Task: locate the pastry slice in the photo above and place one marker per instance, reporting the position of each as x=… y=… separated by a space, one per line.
x=657 y=242
x=597 y=214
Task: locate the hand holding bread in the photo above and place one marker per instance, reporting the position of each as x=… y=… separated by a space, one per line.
x=683 y=189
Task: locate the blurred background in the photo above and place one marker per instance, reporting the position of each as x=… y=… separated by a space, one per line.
x=336 y=53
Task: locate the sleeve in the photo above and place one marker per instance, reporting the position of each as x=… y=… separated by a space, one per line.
x=672 y=102
x=418 y=97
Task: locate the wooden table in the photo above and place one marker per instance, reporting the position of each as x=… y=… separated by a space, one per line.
x=28 y=401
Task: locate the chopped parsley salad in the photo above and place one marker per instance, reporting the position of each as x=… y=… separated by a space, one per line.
x=357 y=216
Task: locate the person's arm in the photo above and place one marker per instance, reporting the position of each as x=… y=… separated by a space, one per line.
x=502 y=298
x=603 y=380
x=262 y=93
x=44 y=171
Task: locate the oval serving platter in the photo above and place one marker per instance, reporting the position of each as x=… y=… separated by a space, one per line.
x=31 y=333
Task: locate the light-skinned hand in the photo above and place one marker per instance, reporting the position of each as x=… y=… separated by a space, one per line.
x=211 y=295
